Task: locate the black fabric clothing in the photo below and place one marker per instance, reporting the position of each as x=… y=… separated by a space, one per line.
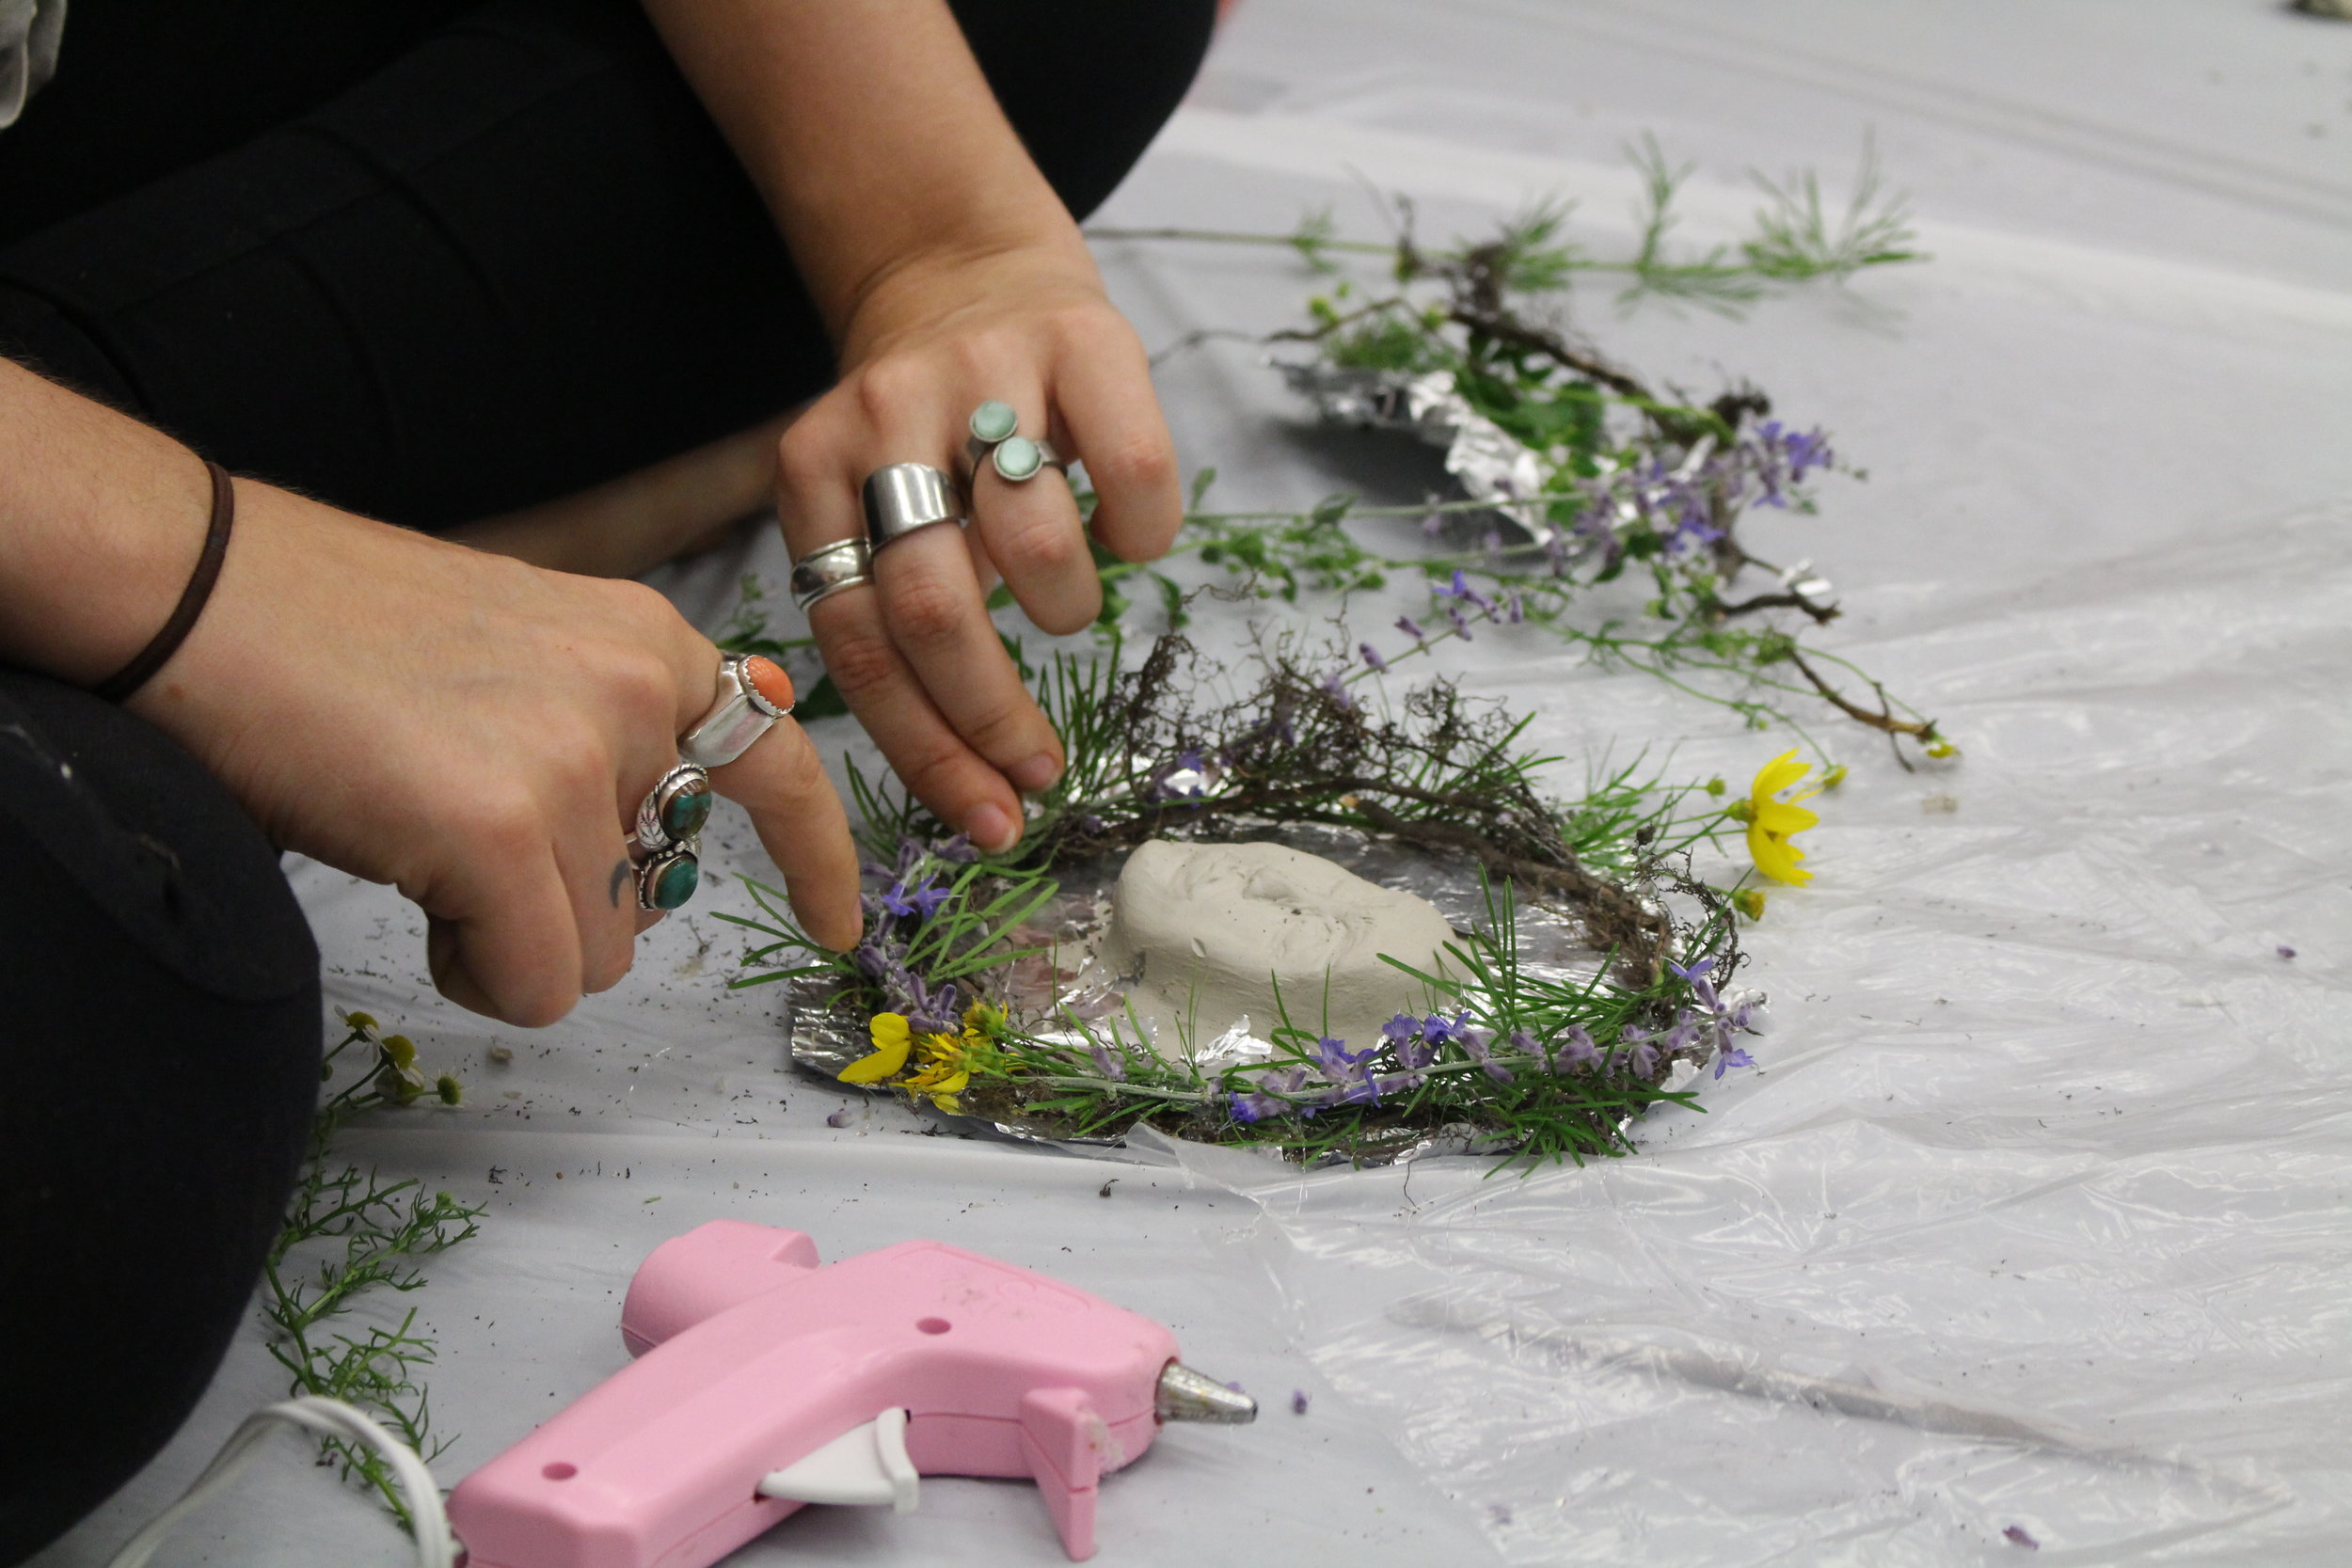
x=477 y=255
x=429 y=259
x=160 y=1031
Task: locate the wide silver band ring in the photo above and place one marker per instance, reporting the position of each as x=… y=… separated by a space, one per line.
x=830 y=568
x=737 y=718
x=905 y=497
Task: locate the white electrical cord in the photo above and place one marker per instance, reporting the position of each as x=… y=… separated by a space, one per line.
x=435 y=1548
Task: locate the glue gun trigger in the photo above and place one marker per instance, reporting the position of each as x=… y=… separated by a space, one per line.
x=866 y=1466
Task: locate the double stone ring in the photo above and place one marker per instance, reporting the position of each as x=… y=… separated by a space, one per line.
x=1016 y=458
x=754 y=693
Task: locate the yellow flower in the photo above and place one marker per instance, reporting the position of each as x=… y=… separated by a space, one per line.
x=1771 y=820
x=1750 y=902
x=891 y=1044
x=945 y=1070
x=984 y=1018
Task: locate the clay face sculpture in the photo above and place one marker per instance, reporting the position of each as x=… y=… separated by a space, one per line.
x=1209 y=929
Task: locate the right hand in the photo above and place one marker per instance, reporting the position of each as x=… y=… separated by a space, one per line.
x=478 y=733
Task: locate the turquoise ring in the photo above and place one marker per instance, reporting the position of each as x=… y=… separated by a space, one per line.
x=675 y=810
x=668 y=828
x=667 y=880
x=994 y=437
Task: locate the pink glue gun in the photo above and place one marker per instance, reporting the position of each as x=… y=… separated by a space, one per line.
x=766 y=1382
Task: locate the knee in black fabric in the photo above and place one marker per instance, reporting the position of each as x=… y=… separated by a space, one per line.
x=39 y=335
x=160 y=1033
x=1087 y=83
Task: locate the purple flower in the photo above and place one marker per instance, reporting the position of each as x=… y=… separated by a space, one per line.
x=1577 y=1052
x=2018 y=1535
x=928 y=1011
x=1187 y=777
x=1460 y=589
x=957 y=849
x=1336 y=1059
x=1516 y=612
x=1701 y=986
x=2286 y=952
x=1372 y=658
x=1298 y=1402
x=1413 y=1052
x=1336 y=684
x=1729 y=1055
x=1411 y=628
x=921 y=901
x=1641 y=1051
x=1474 y=1045
x=1440 y=1030
x=1108 y=1064
x=1461 y=623
x=839 y=1118
x=1275 y=1096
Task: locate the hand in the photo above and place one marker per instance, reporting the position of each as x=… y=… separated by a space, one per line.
x=917 y=656
x=479 y=734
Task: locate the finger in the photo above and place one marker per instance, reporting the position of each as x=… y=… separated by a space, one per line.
x=501 y=940
x=1103 y=403
x=1032 y=534
x=953 y=780
x=937 y=617
x=782 y=783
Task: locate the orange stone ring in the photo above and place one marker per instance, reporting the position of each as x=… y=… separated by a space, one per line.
x=753 y=693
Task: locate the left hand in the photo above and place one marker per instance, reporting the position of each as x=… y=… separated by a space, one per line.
x=917 y=656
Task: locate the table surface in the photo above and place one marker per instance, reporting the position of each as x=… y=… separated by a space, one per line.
x=2034 y=1212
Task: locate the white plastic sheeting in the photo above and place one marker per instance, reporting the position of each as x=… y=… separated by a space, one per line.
x=2034 y=1216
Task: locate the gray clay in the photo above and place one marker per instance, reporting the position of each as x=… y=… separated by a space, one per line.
x=1210 y=928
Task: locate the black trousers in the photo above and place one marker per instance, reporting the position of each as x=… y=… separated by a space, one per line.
x=434 y=259
x=430 y=260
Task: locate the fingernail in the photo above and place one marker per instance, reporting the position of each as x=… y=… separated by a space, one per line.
x=991 y=828
x=1037 y=773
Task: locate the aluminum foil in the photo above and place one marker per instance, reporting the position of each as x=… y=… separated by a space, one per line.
x=828 y=1035
x=1489 y=463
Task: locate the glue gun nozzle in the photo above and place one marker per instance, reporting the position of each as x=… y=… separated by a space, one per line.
x=1186 y=1395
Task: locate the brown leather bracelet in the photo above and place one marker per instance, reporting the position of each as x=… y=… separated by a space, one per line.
x=166 y=642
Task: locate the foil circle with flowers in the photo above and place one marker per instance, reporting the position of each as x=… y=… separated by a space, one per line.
x=1589 y=976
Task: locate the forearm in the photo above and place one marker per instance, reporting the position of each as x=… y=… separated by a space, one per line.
x=104 y=520
x=869 y=131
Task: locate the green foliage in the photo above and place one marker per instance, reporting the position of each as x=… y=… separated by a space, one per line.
x=348 y=1233
x=1794 y=242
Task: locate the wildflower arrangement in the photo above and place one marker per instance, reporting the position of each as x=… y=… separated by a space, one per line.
x=1583 y=480
x=961 y=996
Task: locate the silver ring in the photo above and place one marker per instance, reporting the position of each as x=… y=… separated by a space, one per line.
x=668 y=878
x=830 y=568
x=905 y=497
x=675 y=810
x=991 y=422
x=740 y=714
x=1017 y=459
